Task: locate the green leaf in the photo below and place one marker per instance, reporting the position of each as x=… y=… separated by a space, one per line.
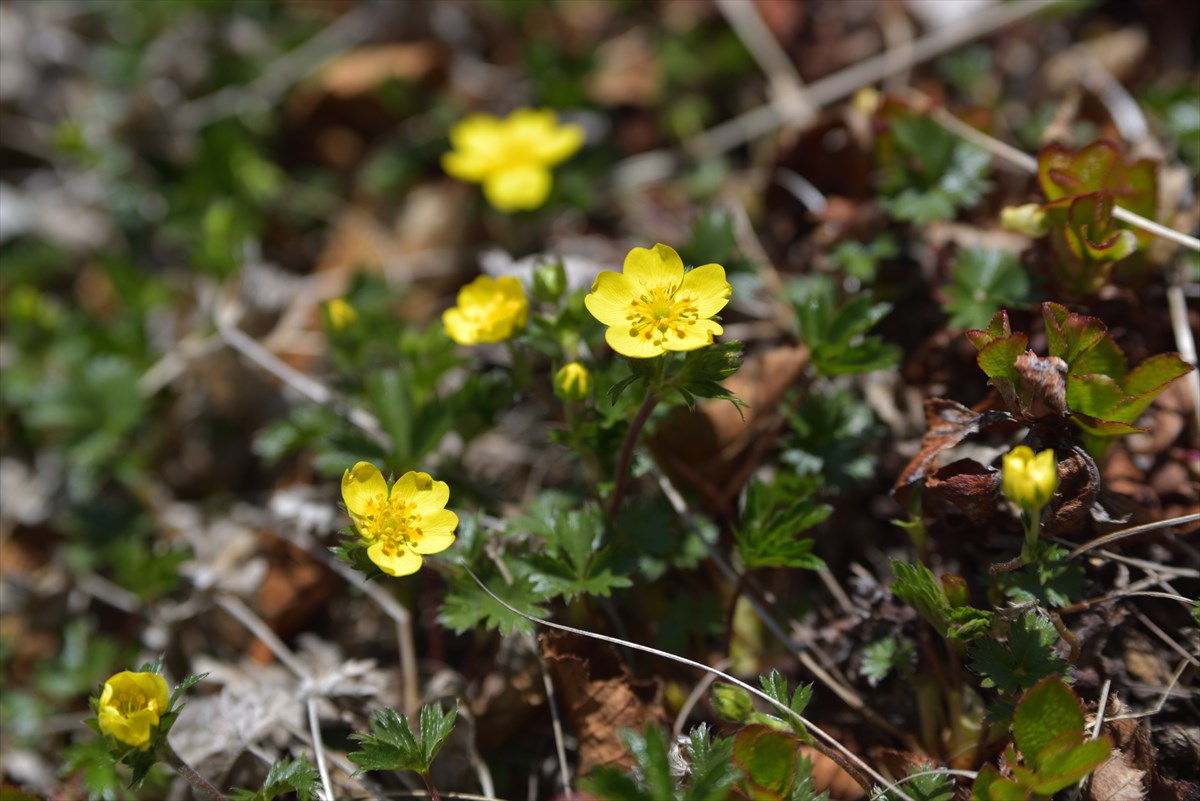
x=836 y=335
x=983 y=281
x=1064 y=765
x=768 y=758
x=882 y=656
x=285 y=776
x=711 y=773
x=1024 y=660
x=391 y=745
x=650 y=752
x=1046 y=712
x=465 y=606
x=771 y=523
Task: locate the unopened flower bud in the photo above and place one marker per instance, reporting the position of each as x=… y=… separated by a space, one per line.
x=1029 y=219
x=572 y=382
x=1029 y=481
x=549 y=281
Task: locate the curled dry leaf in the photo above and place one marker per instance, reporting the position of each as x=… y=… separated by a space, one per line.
x=600 y=696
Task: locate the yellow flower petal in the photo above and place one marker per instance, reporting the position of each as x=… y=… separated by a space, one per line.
x=489 y=310
x=466 y=165
x=560 y=144
x=609 y=299
x=624 y=342
x=437 y=532
x=693 y=337
x=517 y=188
x=426 y=495
x=362 y=486
x=460 y=329
x=400 y=562
x=707 y=288
x=658 y=267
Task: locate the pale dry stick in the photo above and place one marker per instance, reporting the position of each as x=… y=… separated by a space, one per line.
x=1185 y=343
x=560 y=746
x=314 y=727
x=848 y=696
x=309 y=387
x=1100 y=707
x=843 y=83
x=246 y=616
x=1167 y=639
x=748 y=24
x=1169 y=596
x=966 y=774
x=1151 y=567
x=411 y=693
x=1131 y=532
x=1162 y=699
x=1028 y=163
x=826 y=743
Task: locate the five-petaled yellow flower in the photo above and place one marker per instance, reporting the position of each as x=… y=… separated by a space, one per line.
x=402 y=523
x=1029 y=481
x=130 y=705
x=489 y=310
x=654 y=306
x=511 y=157
x=572 y=382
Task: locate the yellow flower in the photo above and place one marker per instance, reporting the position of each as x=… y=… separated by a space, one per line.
x=1029 y=481
x=341 y=314
x=130 y=705
x=511 y=157
x=654 y=306
x=572 y=382
x=489 y=310
x=401 y=524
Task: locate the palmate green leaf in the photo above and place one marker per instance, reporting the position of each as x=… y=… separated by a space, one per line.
x=391 y=745
x=923 y=783
x=983 y=281
x=285 y=776
x=1025 y=659
x=775 y=685
x=837 y=335
x=882 y=656
x=466 y=606
x=774 y=516
x=710 y=769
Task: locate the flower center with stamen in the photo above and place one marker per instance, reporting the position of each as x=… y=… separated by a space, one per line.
x=393 y=522
x=130 y=702
x=658 y=312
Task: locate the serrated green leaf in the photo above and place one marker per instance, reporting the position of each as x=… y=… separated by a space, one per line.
x=711 y=772
x=983 y=281
x=285 y=776
x=882 y=656
x=1025 y=659
x=436 y=726
x=650 y=752
x=391 y=745
x=465 y=606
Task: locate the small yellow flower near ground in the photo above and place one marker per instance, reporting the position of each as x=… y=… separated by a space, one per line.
x=341 y=313
x=402 y=524
x=654 y=306
x=130 y=705
x=572 y=382
x=489 y=310
x=512 y=156
x=1029 y=481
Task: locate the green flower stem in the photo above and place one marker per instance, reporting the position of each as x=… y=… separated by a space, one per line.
x=203 y=786
x=1033 y=523
x=631 y=438
x=520 y=365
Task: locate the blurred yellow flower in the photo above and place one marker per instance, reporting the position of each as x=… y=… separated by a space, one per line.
x=1029 y=481
x=572 y=382
x=401 y=524
x=489 y=310
x=512 y=156
x=654 y=306
x=130 y=705
x=341 y=313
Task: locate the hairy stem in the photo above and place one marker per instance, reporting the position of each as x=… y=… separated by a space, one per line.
x=631 y=438
x=203 y=786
